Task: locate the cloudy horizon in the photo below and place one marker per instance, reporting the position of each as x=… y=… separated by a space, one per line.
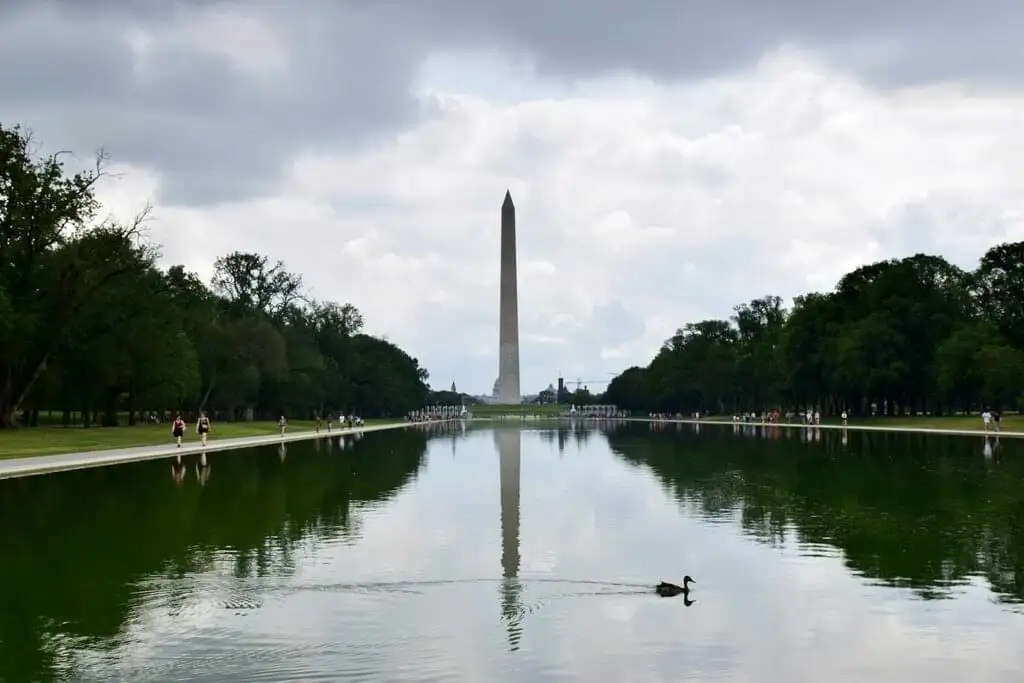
x=667 y=161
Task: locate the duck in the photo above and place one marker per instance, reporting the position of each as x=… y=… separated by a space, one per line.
x=668 y=590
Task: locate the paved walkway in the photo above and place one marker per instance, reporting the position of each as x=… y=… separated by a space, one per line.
x=61 y=462
x=859 y=428
x=46 y=464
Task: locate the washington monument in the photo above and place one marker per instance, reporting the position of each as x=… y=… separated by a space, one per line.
x=508 y=309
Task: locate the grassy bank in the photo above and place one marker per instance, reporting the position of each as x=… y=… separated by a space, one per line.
x=20 y=443
x=487 y=410
x=1010 y=423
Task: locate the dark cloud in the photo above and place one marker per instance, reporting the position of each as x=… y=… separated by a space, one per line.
x=67 y=70
x=216 y=133
x=910 y=41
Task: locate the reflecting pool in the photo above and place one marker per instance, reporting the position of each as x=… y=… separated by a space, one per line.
x=514 y=554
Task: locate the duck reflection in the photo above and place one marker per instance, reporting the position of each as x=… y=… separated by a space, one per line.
x=509 y=445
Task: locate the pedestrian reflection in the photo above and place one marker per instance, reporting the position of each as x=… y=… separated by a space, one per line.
x=990 y=449
x=203 y=470
x=177 y=470
x=282 y=451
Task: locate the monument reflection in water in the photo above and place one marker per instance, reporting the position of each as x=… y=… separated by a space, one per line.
x=509 y=445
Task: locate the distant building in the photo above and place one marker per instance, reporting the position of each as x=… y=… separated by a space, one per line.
x=454 y=390
x=547 y=395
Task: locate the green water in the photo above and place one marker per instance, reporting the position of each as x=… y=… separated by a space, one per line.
x=526 y=556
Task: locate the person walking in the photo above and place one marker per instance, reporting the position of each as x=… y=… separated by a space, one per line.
x=178 y=429
x=203 y=426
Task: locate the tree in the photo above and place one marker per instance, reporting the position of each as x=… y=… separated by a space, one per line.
x=759 y=326
x=1000 y=290
x=249 y=284
x=91 y=326
x=44 y=285
x=629 y=390
x=898 y=336
x=386 y=380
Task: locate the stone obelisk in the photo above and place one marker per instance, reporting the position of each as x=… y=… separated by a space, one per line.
x=509 y=444
x=508 y=311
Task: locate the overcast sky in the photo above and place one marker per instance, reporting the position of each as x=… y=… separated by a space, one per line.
x=668 y=159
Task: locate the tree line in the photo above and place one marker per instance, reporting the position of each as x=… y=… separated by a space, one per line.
x=901 y=336
x=90 y=325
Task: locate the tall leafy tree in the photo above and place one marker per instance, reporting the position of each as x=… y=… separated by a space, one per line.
x=899 y=336
x=91 y=326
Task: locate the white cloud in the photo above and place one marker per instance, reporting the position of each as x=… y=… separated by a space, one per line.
x=668 y=202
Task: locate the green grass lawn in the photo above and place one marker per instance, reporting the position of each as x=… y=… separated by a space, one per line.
x=485 y=410
x=24 y=442
x=1010 y=423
